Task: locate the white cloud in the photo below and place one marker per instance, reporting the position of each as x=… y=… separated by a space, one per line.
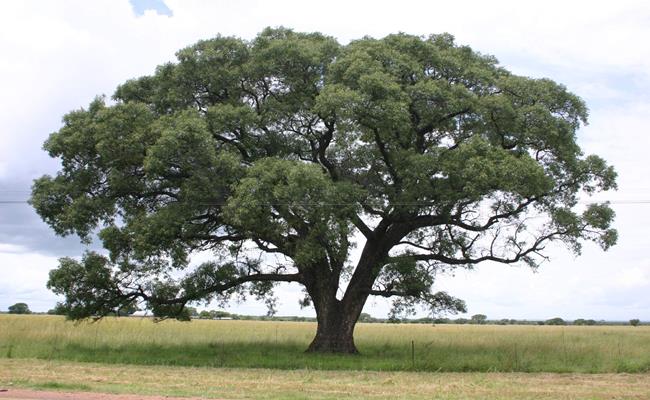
x=23 y=278
x=12 y=248
x=634 y=276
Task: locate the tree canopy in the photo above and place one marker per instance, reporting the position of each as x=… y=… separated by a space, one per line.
x=19 y=308
x=283 y=153
x=479 y=319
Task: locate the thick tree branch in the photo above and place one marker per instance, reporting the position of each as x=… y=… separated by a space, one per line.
x=222 y=287
x=390 y=293
x=323 y=143
x=362 y=227
x=386 y=157
x=521 y=254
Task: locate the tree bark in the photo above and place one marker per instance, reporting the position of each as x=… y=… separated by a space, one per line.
x=337 y=318
x=335 y=330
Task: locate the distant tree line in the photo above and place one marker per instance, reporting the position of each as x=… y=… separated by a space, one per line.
x=481 y=319
x=476 y=319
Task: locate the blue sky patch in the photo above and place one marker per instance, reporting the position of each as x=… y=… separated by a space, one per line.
x=159 y=6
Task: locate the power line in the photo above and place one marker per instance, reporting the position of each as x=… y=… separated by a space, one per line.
x=615 y=202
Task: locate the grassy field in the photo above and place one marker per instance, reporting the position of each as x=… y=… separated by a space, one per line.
x=308 y=384
x=280 y=345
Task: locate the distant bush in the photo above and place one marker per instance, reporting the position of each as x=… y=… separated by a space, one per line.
x=365 y=317
x=59 y=309
x=555 y=321
x=635 y=322
x=478 y=319
x=581 y=321
x=19 y=308
x=192 y=311
x=218 y=314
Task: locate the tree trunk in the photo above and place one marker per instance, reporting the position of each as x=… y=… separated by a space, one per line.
x=336 y=318
x=335 y=330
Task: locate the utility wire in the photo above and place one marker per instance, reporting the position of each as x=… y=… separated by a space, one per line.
x=350 y=204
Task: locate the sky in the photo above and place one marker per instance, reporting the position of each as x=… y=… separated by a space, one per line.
x=58 y=55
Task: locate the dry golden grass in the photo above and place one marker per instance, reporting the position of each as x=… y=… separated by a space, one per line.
x=231 y=383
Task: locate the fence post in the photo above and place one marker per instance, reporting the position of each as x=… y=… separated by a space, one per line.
x=516 y=359
x=413 y=353
x=564 y=348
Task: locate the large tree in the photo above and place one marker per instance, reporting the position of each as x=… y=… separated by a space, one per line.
x=282 y=154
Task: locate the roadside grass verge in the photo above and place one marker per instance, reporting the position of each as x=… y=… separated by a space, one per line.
x=280 y=345
x=229 y=383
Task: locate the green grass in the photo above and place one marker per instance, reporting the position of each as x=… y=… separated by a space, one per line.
x=53 y=385
x=280 y=345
